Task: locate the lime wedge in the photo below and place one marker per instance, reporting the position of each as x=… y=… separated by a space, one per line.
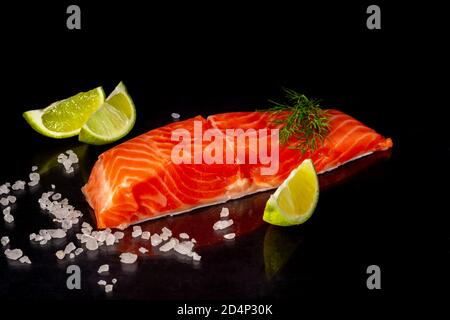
x=295 y=199
x=64 y=118
x=112 y=121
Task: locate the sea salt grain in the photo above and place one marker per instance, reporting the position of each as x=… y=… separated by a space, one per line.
x=108 y=288
x=69 y=248
x=4 y=189
x=53 y=186
x=169 y=245
x=137 y=232
x=57 y=233
x=18 y=185
x=128 y=257
x=7 y=210
x=13 y=254
x=25 y=259
x=175 y=115
x=184 y=247
x=118 y=235
x=56 y=196
x=78 y=251
x=114 y=280
x=4 y=241
x=60 y=254
x=143 y=250
x=184 y=235
x=101 y=282
x=91 y=244
x=110 y=239
x=145 y=235
x=34 y=168
x=34 y=179
x=103 y=268
x=4 y=201
x=72 y=255
x=166 y=233
x=230 y=236
x=196 y=256
x=8 y=218
x=155 y=239
x=11 y=199
x=224 y=213
x=222 y=224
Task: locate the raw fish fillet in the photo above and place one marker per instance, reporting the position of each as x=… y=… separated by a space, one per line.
x=137 y=180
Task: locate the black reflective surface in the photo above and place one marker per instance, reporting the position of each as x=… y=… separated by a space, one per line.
x=386 y=209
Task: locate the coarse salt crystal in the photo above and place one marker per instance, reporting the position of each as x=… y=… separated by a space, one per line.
x=175 y=115
x=57 y=233
x=34 y=168
x=18 y=185
x=4 y=241
x=53 y=186
x=143 y=250
x=155 y=239
x=196 y=256
x=108 y=288
x=11 y=199
x=8 y=218
x=43 y=242
x=222 y=224
x=60 y=254
x=7 y=210
x=229 y=236
x=72 y=255
x=145 y=235
x=169 y=245
x=103 y=268
x=13 y=254
x=184 y=235
x=184 y=247
x=56 y=196
x=110 y=239
x=78 y=251
x=114 y=280
x=25 y=259
x=4 y=201
x=128 y=257
x=91 y=244
x=224 y=213
x=69 y=248
x=137 y=232
x=101 y=282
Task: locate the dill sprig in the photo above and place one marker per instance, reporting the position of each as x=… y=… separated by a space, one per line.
x=305 y=120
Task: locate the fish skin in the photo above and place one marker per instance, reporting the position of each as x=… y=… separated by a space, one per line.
x=137 y=180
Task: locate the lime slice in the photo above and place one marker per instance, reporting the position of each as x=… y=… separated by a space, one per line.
x=295 y=199
x=64 y=118
x=114 y=119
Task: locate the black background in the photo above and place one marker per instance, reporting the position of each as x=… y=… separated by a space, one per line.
x=205 y=58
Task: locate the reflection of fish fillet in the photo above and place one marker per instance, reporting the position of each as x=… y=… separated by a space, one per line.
x=137 y=180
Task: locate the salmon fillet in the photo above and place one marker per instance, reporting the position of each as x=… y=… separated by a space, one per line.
x=138 y=179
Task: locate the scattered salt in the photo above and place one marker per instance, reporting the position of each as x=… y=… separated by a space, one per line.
x=4 y=201
x=11 y=199
x=118 y=235
x=13 y=254
x=137 y=232
x=184 y=235
x=56 y=196
x=103 y=268
x=4 y=189
x=193 y=240
x=69 y=248
x=196 y=256
x=184 y=247
x=155 y=239
x=222 y=224
x=114 y=280
x=224 y=213
x=18 y=185
x=175 y=115
x=110 y=239
x=25 y=259
x=43 y=242
x=7 y=210
x=108 y=288
x=53 y=186
x=8 y=218
x=57 y=233
x=91 y=244
x=72 y=255
x=128 y=257
x=230 y=236
x=60 y=254
x=34 y=168
x=145 y=235
x=169 y=245
x=143 y=250
x=4 y=241
x=78 y=251
x=101 y=282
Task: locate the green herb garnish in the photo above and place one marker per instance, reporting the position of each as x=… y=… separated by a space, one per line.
x=305 y=120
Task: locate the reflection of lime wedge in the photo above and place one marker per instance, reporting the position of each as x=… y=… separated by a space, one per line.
x=112 y=121
x=279 y=245
x=295 y=200
x=64 y=118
